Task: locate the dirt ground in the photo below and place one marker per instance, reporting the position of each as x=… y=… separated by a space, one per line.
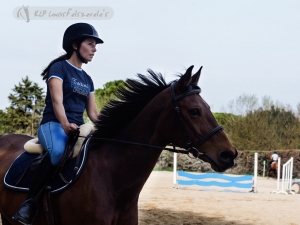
x=161 y=204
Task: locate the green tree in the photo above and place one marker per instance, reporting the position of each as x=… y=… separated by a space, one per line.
x=223 y=118
x=108 y=91
x=3 y=122
x=263 y=128
x=102 y=96
x=26 y=108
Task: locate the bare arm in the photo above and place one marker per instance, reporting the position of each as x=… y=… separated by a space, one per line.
x=56 y=92
x=91 y=109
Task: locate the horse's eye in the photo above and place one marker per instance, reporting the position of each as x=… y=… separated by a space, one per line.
x=194 y=112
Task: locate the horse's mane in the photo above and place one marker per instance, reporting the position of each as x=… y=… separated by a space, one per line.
x=131 y=99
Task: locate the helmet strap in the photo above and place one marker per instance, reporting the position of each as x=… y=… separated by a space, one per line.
x=80 y=57
x=78 y=53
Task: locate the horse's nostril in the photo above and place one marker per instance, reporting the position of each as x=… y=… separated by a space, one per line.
x=236 y=153
x=227 y=156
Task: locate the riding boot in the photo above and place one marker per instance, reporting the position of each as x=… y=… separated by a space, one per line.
x=40 y=178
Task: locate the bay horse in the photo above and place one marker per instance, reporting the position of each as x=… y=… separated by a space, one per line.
x=130 y=135
x=273 y=168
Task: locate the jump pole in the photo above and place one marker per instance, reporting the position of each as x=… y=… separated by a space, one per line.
x=264 y=170
x=278 y=176
x=254 y=178
x=175 y=170
x=255 y=172
x=278 y=173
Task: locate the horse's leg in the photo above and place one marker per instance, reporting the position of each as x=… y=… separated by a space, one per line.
x=129 y=217
x=4 y=221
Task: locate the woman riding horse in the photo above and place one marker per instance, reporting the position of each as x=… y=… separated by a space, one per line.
x=69 y=92
x=131 y=133
x=273 y=166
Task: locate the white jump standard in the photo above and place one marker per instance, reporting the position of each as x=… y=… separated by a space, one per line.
x=287 y=177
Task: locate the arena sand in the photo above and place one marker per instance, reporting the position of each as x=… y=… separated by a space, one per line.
x=160 y=203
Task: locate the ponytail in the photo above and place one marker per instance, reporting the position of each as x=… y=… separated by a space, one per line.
x=60 y=58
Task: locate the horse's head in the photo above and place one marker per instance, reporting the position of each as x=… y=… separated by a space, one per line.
x=151 y=112
x=194 y=126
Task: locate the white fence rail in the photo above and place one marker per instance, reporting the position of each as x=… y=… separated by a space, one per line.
x=287 y=178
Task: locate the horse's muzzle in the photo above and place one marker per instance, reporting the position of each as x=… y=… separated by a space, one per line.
x=228 y=156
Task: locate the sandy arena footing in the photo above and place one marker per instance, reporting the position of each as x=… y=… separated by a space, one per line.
x=161 y=204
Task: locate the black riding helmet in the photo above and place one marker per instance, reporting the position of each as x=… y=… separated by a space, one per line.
x=79 y=32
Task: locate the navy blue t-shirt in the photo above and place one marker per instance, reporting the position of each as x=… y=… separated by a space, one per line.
x=77 y=86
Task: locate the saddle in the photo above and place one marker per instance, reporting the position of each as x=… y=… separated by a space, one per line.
x=34 y=147
x=19 y=174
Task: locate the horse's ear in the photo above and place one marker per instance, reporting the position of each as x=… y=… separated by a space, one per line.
x=196 y=76
x=185 y=79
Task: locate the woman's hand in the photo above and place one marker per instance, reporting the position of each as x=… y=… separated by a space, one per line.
x=70 y=128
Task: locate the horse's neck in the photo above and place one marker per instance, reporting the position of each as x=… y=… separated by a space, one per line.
x=149 y=127
x=129 y=166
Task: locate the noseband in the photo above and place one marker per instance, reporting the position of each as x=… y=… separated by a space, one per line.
x=192 y=89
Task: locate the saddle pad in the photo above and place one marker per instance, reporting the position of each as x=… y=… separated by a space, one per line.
x=22 y=162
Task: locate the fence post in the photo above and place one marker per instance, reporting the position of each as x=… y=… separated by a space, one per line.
x=175 y=170
x=264 y=170
x=255 y=172
x=278 y=173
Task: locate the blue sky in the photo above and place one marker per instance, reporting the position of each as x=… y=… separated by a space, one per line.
x=245 y=47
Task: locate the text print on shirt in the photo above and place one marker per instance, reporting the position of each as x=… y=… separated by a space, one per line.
x=80 y=88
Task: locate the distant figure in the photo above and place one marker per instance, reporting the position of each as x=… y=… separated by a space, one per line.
x=274 y=157
x=273 y=166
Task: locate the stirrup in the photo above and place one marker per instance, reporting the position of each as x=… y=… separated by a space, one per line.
x=34 y=204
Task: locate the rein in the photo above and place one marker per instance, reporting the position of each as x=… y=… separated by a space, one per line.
x=191 y=149
x=140 y=144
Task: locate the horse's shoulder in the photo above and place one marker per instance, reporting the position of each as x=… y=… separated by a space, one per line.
x=21 y=136
x=16 y=139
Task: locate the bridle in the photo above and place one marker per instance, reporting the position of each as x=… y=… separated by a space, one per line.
x=192 y=89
